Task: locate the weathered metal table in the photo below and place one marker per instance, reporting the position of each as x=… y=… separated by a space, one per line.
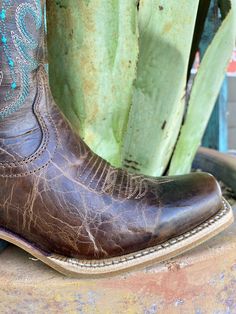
x=201 y=281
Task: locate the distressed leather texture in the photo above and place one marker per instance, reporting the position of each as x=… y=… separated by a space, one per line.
x=62 y=198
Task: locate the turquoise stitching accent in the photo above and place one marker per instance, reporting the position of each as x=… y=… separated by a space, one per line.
x=3 y=30
x=3 y=15
x=19 y=57
x=23 y=28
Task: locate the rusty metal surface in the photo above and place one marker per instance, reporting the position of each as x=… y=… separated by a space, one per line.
x=202 y=281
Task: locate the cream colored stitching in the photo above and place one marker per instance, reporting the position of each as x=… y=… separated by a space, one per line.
x=46 y=135
x=123 y=259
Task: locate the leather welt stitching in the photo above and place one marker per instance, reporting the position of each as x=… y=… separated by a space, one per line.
x=160 y=247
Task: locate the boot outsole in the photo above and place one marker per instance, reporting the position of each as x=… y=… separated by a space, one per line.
x=74 y=267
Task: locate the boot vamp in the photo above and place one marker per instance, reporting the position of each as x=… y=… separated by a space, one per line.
x=77 y=205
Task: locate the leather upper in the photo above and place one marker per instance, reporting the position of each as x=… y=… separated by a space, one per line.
x=62 y=198
x=67 y=200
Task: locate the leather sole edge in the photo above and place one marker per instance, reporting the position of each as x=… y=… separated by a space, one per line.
x=98 y=268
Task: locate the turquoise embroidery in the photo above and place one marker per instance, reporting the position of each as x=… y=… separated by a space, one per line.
x=4 y=40
x=3 y=15
x=17 y=45
x=11 y=63
x=13 y=85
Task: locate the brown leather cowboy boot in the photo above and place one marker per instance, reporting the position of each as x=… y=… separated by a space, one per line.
x=67 y=206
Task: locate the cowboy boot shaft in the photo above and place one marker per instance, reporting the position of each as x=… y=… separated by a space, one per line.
x=21 y=51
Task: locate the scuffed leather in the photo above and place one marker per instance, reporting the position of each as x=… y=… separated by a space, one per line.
x=62 y=198
x=67 y=200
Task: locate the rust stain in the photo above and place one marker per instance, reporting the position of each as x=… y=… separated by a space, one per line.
x=176 y=282
x=170 y=286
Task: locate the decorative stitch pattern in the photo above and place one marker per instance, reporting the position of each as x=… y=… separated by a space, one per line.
x=46 y=137
x=17 y=51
